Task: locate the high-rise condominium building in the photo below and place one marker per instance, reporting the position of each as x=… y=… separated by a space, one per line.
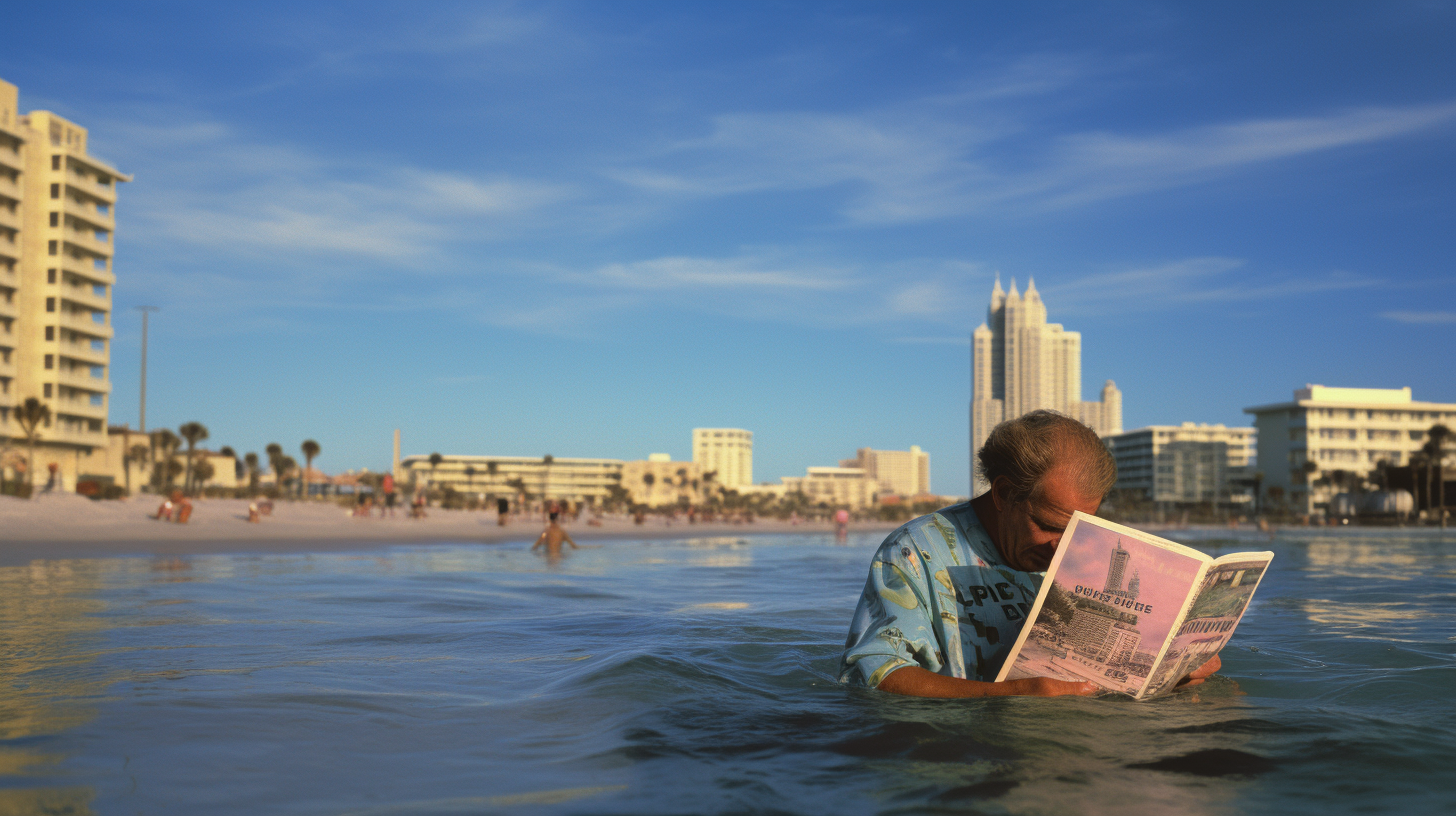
x=1328 y=429
x=728 y=452
x=1020 y=363
x=1184 y=464
x=57 y=219
x=903 y=473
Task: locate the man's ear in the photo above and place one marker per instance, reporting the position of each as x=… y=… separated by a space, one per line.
x=999 y=487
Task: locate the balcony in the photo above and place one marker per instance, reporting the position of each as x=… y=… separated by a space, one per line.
x=87 y=213
x=89 y=186
x=7 y=370
x=9 y=158
x=9 y=309
x=59 y=433
x=84 y=353
x=8 y=218
x=79 y=408
x=87 y=243
x=81 y=378
x=82 y=324
x=83 y=296
x=82 y=267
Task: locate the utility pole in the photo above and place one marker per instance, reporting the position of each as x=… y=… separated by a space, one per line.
x=144 y=310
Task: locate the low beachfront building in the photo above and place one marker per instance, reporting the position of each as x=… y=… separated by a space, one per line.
x=836 y=486
x=657 y=481
x=1184 y=464
x=1349 y=429
x=540 y=477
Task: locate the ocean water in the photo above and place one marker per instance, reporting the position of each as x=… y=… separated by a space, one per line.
x=690 y=676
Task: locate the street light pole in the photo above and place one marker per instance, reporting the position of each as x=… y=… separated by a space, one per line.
x=144 y=310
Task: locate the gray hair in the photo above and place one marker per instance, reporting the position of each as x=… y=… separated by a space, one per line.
x=1025 y=449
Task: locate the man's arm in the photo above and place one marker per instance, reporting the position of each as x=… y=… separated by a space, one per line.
x=540 y=539
x=565 y=536
x=914 y=681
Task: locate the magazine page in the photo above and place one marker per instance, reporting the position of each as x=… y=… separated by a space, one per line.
x=1110 y=599
x=1219 y=604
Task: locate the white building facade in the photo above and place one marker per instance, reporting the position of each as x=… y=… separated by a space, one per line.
x=903 y=473
x=1350 y=429
x=725 y=452
x=1184 y=464
x=1021 y=363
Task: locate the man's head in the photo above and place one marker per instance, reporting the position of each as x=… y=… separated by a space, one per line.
x=1041 y=468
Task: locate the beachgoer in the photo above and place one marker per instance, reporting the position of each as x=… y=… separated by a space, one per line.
x=552 y=537
x=182 y=505
x=387 y=485
x=253 y=513
x=417 y=510
x=502 y=509
x=980 y=564
x=841 y=521
x=165 y=511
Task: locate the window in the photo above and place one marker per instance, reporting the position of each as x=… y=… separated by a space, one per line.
x=50 y=361
x=99 y=372
x=97 y=399
x=46 y=391
x=98 y=344
x=98 y=289
x=55 y=191
x=98 y=264
x=55 y=219
x=55 y=162
x=50 y=332
x=53 y=247
x=50 y=276
x=50 y=304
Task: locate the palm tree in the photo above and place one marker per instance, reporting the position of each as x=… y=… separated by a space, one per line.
x=289 y=464
x=492 y=468
x=201 y=472
x=310 y=449
x=435 y=460
x=546 y=475
x=470 y=478
x=163 y=470
x=32 y=416
x=1438 y=434
x=134 y=455
x=250 y=461
x=649 y=480
x=193 y=432
x=275 y=461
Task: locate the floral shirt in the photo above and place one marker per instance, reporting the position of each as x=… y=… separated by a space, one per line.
x=940 y=597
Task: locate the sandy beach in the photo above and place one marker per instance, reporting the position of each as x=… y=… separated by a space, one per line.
x=72 y=526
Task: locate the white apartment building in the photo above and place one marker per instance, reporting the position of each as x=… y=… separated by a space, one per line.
x=848 y=487
x=1184 y=464
x=1020 y=363
x=563 y=479
x=727 y=452
x=57 y=235
x=1347 y=429
x=903 y=473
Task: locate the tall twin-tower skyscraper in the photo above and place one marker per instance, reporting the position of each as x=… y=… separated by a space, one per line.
x=1020 y=363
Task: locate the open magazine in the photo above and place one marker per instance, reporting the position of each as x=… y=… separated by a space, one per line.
x=1129 y=611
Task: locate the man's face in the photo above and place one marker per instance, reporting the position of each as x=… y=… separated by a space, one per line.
x=1029 y=531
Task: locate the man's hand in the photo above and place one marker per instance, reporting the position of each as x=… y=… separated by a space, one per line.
x=914 y=681
x=1201 y=673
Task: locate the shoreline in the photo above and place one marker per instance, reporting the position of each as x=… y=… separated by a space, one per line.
x=63 y=526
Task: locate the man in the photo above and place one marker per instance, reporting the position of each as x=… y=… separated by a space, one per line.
x=949 y=592
x=552 y=537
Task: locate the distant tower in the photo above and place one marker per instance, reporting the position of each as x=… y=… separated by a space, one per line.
x=1020 y=363
x=1132 y=586
x=1116 y=566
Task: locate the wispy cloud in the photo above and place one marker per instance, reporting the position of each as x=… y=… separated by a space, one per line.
x=1420 y=317
x=923 y=161
x=742 y=274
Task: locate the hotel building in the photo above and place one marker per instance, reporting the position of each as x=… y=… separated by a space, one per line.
x=1184 y=464
x=1020 y=363
x=902 y=473
x=726 y=452
x=577 y=480
x=57 y=233
x=849 y=487
x=1350 y=429
x=670 y=483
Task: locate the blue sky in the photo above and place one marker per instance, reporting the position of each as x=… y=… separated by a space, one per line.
x=586 y=228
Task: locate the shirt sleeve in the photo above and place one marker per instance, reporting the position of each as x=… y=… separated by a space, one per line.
x=892 y=625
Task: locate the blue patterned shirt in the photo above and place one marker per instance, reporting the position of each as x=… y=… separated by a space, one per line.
x=939 y=596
